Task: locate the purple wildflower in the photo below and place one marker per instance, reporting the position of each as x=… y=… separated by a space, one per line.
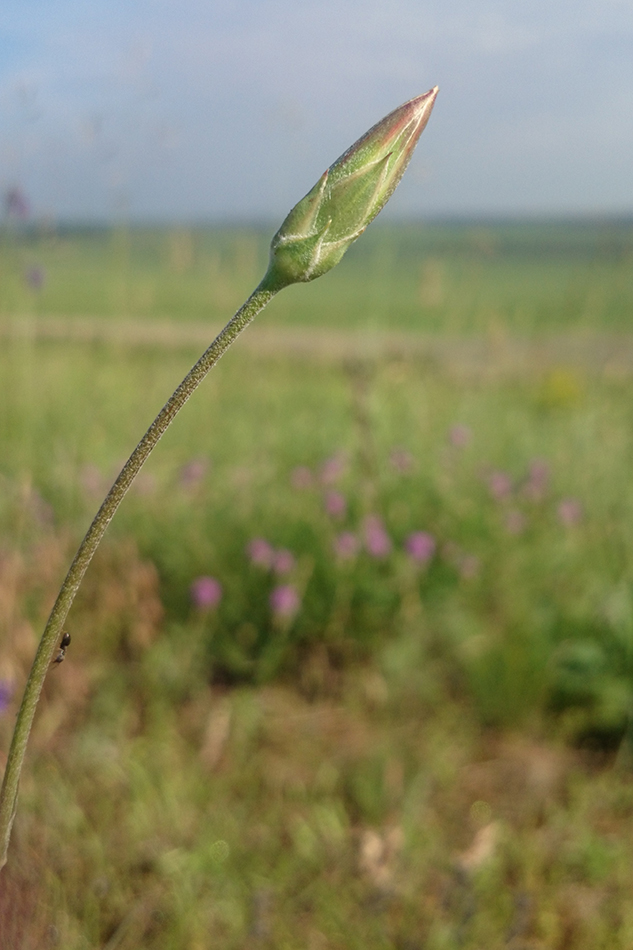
x=420 y=546
x=192 y=473
x=6 y=692
x=377 y=541
x=16 y=203
x=285 y=601
x=515 y=521
x=283 y=561
x=144 y=483
x=91 y=480
x=35 y=278
x=401 y=460
x=39 y=509
x=537 y=482
x=460 y=436
x=346 y=546
x=206 y=593
x=569 y=512
x=499 y=485
x=332 y=469
x=261 y=553
x=335 y=504
x=301 y=477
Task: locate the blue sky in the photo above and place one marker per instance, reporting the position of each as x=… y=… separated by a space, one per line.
x=218 y=109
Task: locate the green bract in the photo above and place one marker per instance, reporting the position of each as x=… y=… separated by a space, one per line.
x=348 y=196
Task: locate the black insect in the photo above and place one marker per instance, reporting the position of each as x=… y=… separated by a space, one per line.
x=63 y=646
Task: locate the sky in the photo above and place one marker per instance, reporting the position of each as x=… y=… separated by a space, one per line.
x=215 y=110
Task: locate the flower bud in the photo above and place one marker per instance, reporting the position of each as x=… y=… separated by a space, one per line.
x=348 y=196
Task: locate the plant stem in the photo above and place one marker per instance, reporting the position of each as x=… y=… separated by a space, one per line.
x=53 y=630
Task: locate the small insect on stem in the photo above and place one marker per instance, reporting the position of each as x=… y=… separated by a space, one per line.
x=63 y=646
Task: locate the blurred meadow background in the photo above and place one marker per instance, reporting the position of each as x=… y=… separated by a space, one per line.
x=353 y=666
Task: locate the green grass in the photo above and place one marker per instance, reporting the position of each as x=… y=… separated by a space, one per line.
x=429 y=755
x=436 y=278
x=539 y=586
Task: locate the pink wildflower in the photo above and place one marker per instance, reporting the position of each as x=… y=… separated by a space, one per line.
x=285 y=601
x=206 y=593
x=283 y=561
x=192 y=473
x=346 y=546
x=569 y=512
x=537 y=482
x=515 y=521
x=261 y=553
x=16 y=203
x=335 y=504
x=301 y=477
x=377 y=541
x=6 y=692
x=499 y=485
x=401 y=460
x=332 y=469
x=35 y=277
x=91 y=480
x=420 y=546
x=460 y=436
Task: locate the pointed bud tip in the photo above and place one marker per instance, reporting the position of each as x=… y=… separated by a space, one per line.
x=426 y=100
x=348 y=196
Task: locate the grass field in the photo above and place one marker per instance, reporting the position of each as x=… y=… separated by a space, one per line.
x=446 y=278
x=354 y=666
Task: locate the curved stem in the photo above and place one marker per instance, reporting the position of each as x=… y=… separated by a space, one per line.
x=53 y=630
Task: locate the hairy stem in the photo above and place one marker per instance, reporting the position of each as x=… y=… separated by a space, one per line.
x=53 y=630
